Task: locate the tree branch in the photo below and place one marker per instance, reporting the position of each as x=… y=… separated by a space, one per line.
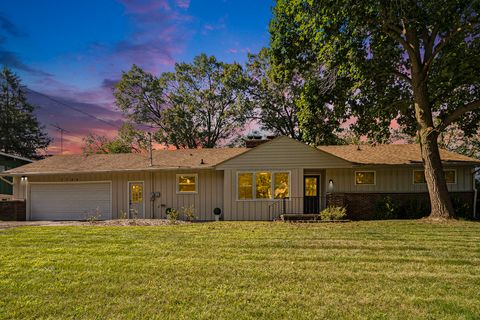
x=457 y=113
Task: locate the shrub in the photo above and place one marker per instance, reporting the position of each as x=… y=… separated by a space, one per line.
x=189 y=213
x=172 y=214
x=94 y=215
x=386 y=209
x=333 y=213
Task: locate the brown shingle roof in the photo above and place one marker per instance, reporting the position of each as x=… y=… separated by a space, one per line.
x=391 y=154
x=162 y=159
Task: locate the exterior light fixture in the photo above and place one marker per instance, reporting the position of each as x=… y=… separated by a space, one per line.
x=330 y=185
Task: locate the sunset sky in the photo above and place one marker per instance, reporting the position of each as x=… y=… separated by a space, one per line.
x=74 y=51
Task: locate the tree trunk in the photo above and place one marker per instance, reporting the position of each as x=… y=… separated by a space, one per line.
x=440 y=201
x=441 y=204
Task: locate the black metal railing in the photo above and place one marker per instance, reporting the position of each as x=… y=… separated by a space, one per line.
x=295 y=205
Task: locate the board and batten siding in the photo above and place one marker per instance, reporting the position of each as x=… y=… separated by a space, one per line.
x=393 y=179
x=284 y=152
x=208 y=197
x=255 y=209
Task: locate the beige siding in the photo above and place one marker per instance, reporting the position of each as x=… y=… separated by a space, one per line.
x=392 y=179
x=284 y=152
x=209 y=196
x=255 y=209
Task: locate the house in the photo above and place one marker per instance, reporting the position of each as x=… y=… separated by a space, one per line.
x=9 y=161
x=279 y=176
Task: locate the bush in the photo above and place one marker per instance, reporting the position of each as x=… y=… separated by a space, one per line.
x=172 y=214
x=333 y=213
x=387 y=209
x=189 y=213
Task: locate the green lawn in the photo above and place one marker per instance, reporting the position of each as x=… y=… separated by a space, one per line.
x=383 y=270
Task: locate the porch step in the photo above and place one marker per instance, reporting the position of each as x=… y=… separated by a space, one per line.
x=306 y=218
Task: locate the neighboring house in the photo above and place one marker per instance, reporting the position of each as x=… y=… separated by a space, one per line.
x=7 y=162
x=245 y=183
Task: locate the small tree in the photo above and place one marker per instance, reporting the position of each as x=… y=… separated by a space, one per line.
x=20 y=131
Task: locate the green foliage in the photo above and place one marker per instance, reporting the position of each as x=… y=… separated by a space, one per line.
x=173 y=215
x=128 y=140
x=366 y=43
x=202 y=104
x=189 y=213
x=284 y=106
x=20 y=131
x=415 y=62
x=94 y=216
x=333 y=213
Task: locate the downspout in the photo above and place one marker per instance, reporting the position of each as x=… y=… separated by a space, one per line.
x=475 y=193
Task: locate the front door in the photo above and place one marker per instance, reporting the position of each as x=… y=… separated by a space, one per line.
x=135 y=200
x=311 y=200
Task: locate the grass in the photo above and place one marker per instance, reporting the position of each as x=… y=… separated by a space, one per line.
x=364 y=270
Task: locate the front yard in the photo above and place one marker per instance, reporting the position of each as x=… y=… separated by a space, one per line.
x=387 y=269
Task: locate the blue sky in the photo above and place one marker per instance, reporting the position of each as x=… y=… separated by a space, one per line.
x=74 y=50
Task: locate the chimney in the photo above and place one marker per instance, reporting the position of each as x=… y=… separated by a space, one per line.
x=256 y=140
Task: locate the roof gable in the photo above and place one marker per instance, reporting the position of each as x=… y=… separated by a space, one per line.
x=284 y=152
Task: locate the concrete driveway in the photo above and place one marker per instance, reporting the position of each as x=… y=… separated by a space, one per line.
x=14 y=224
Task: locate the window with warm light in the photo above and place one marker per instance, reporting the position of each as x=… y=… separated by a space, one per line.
x=263 y=185
x=450 y=176
x=187 y=183
x=245 y=186
x=365 y=177
x=281 y=180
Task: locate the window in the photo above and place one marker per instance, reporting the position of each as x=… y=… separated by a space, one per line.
x=281 y=180
x=245 y=186
x=364 y=177
x=450 y=176
x=187 y=183
x=263 y=185
x=419 y=176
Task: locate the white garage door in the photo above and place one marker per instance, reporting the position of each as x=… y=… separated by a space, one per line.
x=70 y=201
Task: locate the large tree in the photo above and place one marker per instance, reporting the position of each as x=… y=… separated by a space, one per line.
x=297 y=106
x=412 y=60
x=20 y=131
x=202 y=104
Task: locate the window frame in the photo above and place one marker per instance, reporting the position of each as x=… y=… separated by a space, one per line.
x=272 y=184
x=365 y=184
x=413 y=177
x=424 y=183
x=177 y=183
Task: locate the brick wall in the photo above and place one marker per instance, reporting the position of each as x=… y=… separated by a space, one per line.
x=13 y=210
x=366 y=206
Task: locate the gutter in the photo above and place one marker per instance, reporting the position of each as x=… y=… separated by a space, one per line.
x=6 y=181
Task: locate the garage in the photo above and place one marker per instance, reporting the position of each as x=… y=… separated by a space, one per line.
x=70 y=201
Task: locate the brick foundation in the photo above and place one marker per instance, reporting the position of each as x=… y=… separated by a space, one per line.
x=12 y=210
x=367 y=206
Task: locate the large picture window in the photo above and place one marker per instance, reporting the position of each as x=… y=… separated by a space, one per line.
x=450 y=176
x=364 y=177
x=263 y=185
x=187 y=183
